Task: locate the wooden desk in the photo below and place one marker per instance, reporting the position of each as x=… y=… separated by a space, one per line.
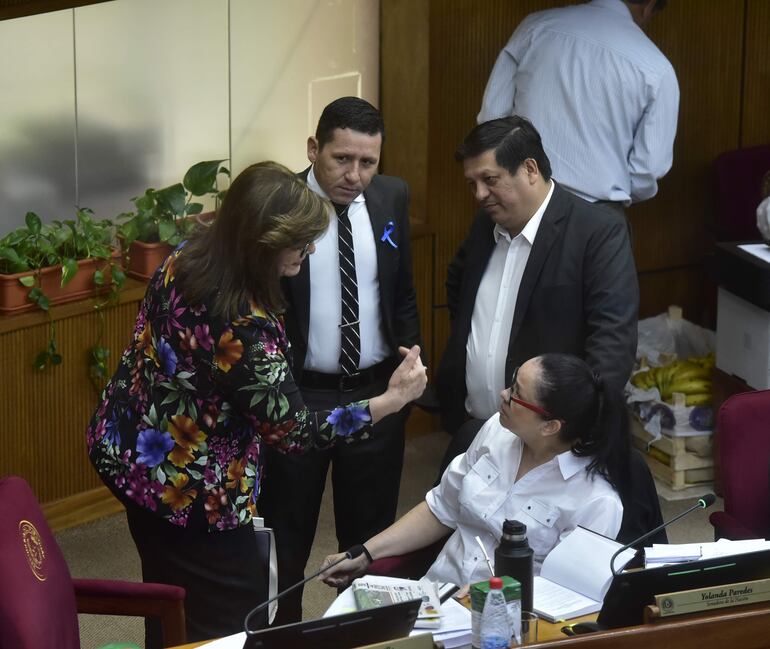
x=744 y=627
x=547 y=632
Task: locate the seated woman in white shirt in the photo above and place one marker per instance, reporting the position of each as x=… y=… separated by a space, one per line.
x=554 y=457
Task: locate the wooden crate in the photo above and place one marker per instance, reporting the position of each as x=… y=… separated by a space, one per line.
x=670 y=461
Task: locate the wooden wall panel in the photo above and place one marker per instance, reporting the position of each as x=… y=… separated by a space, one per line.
x=43 y=415
x=690 y=287
x=423 y=244
x=703 y=41
x=756 y=88
x=404 y=72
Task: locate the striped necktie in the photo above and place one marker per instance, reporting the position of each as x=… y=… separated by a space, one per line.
x=350 y=338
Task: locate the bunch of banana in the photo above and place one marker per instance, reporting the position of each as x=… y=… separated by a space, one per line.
x=690 y=377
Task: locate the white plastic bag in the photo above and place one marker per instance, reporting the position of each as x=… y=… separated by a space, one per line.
x=668 y=336
x=763 y=218
x=662 y=340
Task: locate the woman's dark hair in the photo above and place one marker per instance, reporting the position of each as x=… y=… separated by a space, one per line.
x=593 y=415
x=348 y=112
x=266 y=210
x=513 y=139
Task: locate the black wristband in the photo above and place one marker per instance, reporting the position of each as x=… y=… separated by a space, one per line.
x=366 y=552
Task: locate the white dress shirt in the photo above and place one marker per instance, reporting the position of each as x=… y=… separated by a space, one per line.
x=479 y=491
x=601 y=94
x=323 y=344
x=487 y=345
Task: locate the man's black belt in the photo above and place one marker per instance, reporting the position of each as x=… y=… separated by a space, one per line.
x=347 y=383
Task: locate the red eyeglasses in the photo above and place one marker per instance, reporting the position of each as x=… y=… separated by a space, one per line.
x=525 y=404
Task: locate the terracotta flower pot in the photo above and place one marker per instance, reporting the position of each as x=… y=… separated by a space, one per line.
x=13 y=294
x=145 y=258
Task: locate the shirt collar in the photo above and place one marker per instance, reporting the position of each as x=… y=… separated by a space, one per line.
x=529 y=232
x=616 y=6
x=570 y=464
x=312 y=182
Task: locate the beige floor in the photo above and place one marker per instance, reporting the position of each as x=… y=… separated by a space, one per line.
x=104 y=549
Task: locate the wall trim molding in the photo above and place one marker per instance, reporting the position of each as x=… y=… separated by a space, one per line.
x=81 y=508
x=18 y=8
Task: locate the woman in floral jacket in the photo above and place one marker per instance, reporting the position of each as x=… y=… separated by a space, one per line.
x=204 y=383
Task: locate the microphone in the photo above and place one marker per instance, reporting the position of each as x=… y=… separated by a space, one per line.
x=703 y=502
x=353 y=553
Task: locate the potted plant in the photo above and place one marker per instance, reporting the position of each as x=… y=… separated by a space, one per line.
x=165 y=217
x=46 y=264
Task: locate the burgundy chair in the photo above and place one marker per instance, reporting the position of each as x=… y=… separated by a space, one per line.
x=412 y=565
x=39 y=601
x=739 y=189
x=743 y=449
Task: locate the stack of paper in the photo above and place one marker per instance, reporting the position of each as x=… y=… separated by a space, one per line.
x=455 y=629
x=664 y=554
x=661 y=554
x=725 y=547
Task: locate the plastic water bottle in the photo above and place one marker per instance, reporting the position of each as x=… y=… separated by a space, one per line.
x=495 y=626
x=513 y=557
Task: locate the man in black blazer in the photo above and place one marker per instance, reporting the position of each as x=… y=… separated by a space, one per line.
x=541 y=270
x=344 y=153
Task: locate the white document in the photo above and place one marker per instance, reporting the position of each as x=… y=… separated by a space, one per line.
x=759 y=250
x=726 y=547
x=455 y=629
x=576 y=575
x=664 y=554
x=230 y=642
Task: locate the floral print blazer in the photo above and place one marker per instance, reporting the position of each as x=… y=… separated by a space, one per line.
x=181 y=422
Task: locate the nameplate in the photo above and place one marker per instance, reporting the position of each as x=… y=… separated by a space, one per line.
x=706 y=599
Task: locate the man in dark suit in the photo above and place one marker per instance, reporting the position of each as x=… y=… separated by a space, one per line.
x=540 y=271
x=345 y=333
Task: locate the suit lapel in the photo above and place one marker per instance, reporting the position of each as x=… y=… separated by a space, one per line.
x=477 y=261
x=379 y=219
x=547 y=234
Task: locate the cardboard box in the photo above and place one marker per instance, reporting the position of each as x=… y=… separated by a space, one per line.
x=743 y=340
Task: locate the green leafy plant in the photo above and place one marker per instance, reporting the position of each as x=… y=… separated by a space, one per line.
x=60 y=243
x=160 y=214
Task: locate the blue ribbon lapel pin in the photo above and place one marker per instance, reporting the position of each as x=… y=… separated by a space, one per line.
x=390 y=228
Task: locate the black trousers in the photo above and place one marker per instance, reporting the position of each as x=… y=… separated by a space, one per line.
x=220 y=571
x=366 y=475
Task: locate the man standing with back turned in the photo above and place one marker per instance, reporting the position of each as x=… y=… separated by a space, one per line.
x=602 y=95
x=350 y=308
